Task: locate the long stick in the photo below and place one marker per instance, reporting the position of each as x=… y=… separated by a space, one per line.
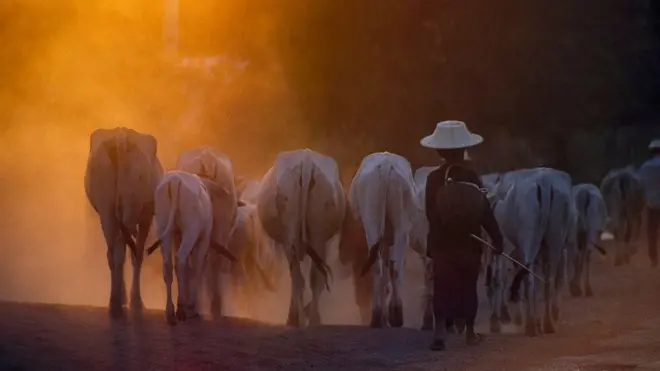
x=507 y=256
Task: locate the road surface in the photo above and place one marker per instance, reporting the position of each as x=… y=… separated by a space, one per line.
x=618 y=329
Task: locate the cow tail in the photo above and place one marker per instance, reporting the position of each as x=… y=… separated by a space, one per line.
x=384 y=173
x=173 y=190
x=306 y=177
x=544 y=199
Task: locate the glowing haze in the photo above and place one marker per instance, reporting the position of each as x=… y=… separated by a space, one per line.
x=73 y=67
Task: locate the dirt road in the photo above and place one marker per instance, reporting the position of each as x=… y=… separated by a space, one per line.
x=619 y=329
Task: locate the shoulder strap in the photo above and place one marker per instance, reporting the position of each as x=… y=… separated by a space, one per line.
x=448 y=180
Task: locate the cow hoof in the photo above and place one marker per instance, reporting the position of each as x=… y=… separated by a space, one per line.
x=293 y=320
x=495 y=326
x=137 y=305
x=124 y=296
x=506 y=316
x=117 y=311
x=395 y=316
x=315 y=319
x=192 y=313
x=170 y=318
x=548 y=326
x=575 y=290
x=216 y=308
x=180 y=313
x=376 y=319
x=589 y=292
x=459 y=325
x=555 y=313
x=531 y=330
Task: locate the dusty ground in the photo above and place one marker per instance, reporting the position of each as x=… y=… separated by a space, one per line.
x=619 y=329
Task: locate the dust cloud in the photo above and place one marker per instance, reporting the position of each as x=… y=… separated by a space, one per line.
x=78 y=66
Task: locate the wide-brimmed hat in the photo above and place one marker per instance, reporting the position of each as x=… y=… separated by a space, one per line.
x=655 y=144
x=451 y=135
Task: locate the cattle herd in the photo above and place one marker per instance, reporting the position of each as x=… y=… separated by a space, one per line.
x=211 y=224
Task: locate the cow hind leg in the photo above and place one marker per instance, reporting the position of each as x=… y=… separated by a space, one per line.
x=575 y=286
x=136 y=260
x=191 y=305
x=196 y=277
x=115 y=264
x=118 y=286
x=548 y=317
x=377 y=299
x=587 y=276
x=213 y=285
x=531 y=329
x=182 y=274
x=495 y=297
x=136 y=303
x=297 y=287
x=620 y=252
x=395 y=271
x=166 y=251
x=506 y=314
x=317 y=284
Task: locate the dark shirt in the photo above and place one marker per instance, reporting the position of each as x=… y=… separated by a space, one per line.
x=439 y=239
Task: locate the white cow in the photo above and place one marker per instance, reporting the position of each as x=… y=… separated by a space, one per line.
x=184 y=221
x=592 y=215
x=258 y=257
x=536 y=216
x=301 y=205
x=211 y=164
x=383 y=197
x=121 y=175
x=624 y=198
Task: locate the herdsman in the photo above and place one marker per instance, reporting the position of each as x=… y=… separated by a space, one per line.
x=456 y=208
x=649 y=173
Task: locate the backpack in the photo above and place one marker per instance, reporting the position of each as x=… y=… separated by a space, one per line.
x=461 y=205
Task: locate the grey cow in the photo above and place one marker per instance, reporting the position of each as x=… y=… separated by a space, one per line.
x=536 y=214
x=624 y=199
x=592 y=214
